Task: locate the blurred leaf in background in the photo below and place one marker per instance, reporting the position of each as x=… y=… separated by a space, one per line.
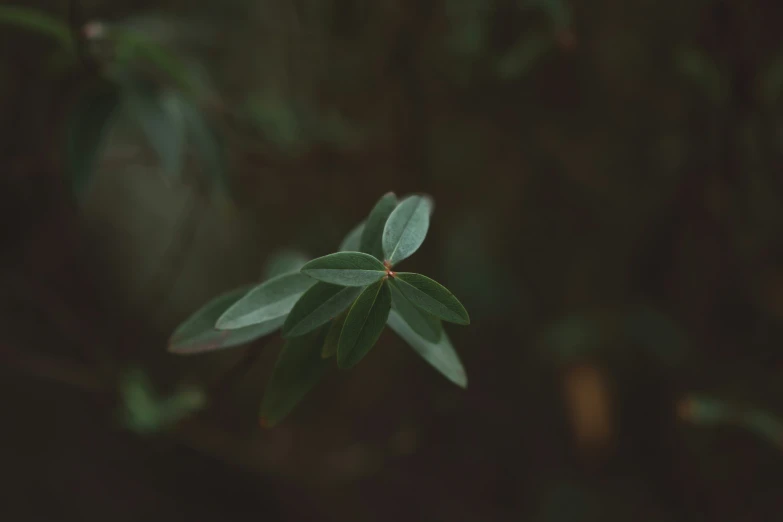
x=87 y=133
x=145 y=412
x=299 y=367
x=284 y=261
x=613 y=225
x=705 y=410
x=38 y=22
x=161 y=117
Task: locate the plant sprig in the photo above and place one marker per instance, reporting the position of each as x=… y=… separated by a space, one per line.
x=337 y=306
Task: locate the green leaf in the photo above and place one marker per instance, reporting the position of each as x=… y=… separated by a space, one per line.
x=299 y=367
x=270 y=300
x=333 y=337
x=87 y=131
x=198 y=334
x=431 y=297
x=351 y=243
x=440 y=355
x=36 y=20
x=346 y=269
x=364 y=324
x=321 y=303
x=424 y=324
x=139 y=402
x=145 y=412
x=161 y=117
x=372 y=236
x=283 y=262
x=406 y=228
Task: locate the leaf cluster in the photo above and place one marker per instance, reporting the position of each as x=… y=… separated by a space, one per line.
x=335 y=307
x=128 y=73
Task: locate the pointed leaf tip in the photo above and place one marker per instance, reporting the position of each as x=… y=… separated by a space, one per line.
x=440 y=355
x=406 y=228
x=197 y=334
x=431 y=297
x=372 y=235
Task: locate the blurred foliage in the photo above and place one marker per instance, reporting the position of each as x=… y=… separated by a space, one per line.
x=145 y=413
x=610 y=211
x=711 y=411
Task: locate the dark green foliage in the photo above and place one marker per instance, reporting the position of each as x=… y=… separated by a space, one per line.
x=372 y=233
x=440 y=355
x=431 y=297
x=158 y=87
x=329 y=348
x=173 y=126
x=609 y=213
x=207 y=144
x=198 y=332
x=317 y=306
x=364 y=324
x=424 y=324
x=270 y=300
x=346 y=269
x=299 y=367
x=338 y=304
x=161 y=117
x=145 y=412
x=406 y=228
x=708 y=411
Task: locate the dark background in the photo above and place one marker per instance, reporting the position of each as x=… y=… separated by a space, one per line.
x=608 y=179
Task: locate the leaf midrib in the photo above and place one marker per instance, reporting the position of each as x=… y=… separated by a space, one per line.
x=320 y=306
x=343 y=270
x=446 y=304
x=265 y=307
x=393 y=287
x=366 y=317
x=399 y=240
